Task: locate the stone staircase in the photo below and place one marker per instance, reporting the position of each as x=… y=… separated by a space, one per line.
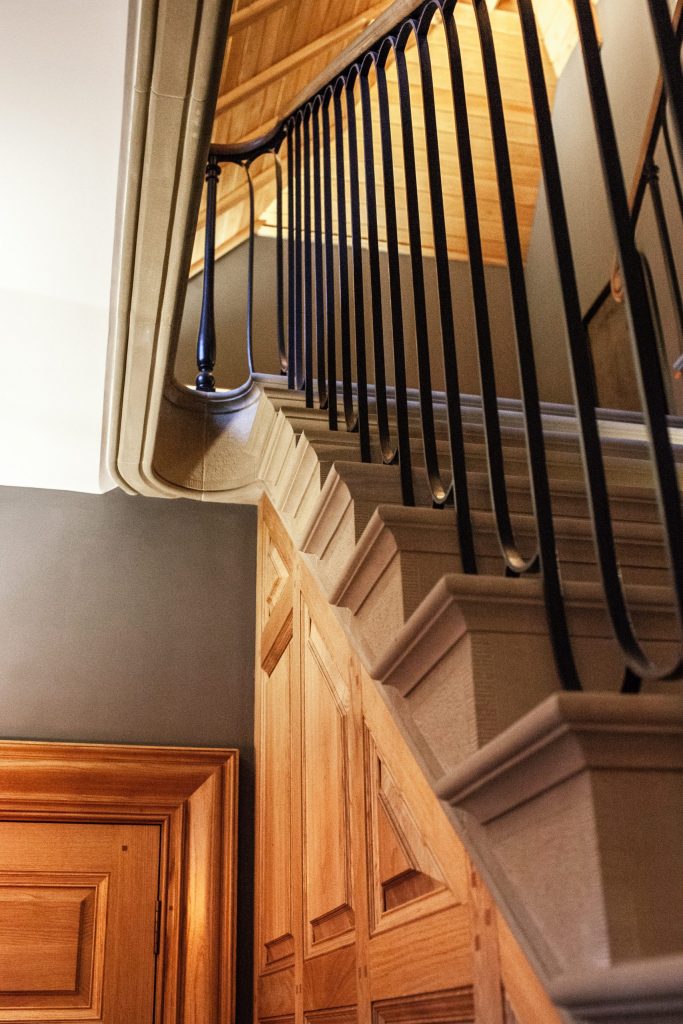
x=571 y=803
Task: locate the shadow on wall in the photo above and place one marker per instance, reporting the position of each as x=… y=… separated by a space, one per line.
x=132 y=620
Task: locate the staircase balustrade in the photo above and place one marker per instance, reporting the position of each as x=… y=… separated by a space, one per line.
x=333 y=279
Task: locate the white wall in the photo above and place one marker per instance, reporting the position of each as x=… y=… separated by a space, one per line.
x=61 y=96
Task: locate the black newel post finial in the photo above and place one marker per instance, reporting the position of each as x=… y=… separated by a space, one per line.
x=206 y=340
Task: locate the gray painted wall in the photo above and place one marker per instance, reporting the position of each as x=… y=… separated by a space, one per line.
x=131 y=620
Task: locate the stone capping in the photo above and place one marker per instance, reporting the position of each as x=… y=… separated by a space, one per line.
x=632 y=989
x=459 y=604
x=175 y=55
x=336 y=496
x=392 y=528
x=218 y=403
x=566 y=734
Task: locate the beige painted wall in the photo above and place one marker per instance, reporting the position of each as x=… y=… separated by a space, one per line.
x=630 y=62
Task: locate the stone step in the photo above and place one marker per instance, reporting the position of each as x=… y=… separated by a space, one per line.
x=403 y=552
x=476 y=656
x=575 y=814
x=350 y=493
x=466 y=665
x=621 y=433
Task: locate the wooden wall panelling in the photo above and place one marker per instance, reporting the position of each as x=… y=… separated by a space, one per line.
x=350 y=992
x=328 y=893
x=452 y=1006
x=328 y=834
x=277 y=934
x=373 y=904
x=524 y=994
x=488 y=989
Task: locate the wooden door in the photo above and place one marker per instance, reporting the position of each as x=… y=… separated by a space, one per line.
x=78 y=904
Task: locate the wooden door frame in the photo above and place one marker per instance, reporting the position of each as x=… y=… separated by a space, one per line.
x=191 y=793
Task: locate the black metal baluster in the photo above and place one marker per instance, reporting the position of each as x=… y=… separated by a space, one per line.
x=318 y=246
x=357 y=260
x=330 y=312
x=291 y=257
x=393 y=259
x=450 y=364
x=298 y=249
x=652 y=175
x=280 y=272
x=388 y=452
x=308 y=267
x=673 y=166
x=344 y=298
x=250 y=274
x=580 y=363
x=538 y=470
x=440 y=492
x=514 y=561
x=643 y=334
x=670 y=57
x=206 y=339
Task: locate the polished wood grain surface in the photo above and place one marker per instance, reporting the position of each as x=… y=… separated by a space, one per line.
x=69 y=893
x=367 y=907
x=189 y=797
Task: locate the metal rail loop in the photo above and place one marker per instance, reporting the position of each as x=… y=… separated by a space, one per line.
x=389 y=453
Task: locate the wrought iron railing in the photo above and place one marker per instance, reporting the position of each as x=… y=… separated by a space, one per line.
x=322 y=294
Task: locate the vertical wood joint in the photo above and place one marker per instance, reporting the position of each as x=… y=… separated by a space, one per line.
x=157 y=928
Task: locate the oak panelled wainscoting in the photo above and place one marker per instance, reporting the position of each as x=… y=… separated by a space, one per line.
x=367 y=907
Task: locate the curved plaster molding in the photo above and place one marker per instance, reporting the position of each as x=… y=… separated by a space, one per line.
x=174 y=64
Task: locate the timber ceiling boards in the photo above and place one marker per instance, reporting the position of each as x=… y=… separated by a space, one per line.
x=276 y=48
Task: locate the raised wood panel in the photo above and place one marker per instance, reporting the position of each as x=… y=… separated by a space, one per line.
x=440 y=953
x=276 y=926
x=52 y=937
x=330 y=980
x=275 y=995
x=404 y=873
x=337 y=1015
x=384 y=926
x=186 y=798
x=275 y=577
x=380 y=728
x=454 y=1006
x=328 y=898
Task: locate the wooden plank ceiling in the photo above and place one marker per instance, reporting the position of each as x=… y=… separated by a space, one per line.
x=276 y=48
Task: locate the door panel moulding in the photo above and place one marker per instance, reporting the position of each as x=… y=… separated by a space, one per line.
x=191 y=794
